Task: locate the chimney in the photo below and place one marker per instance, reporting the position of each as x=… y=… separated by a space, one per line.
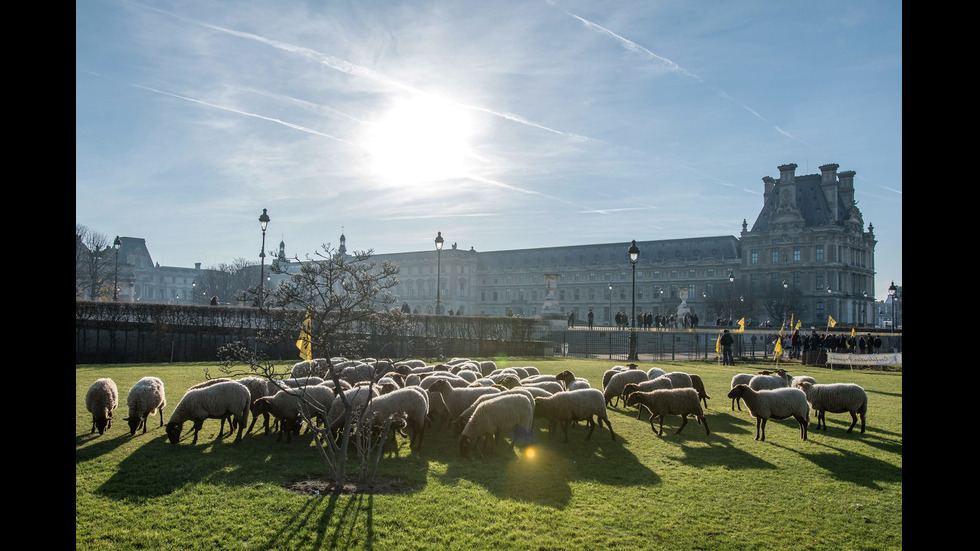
x=830 y=187
x=847 y=187
x=770 y=184
x=197 y=265
x=787 y=174
x=787 y=184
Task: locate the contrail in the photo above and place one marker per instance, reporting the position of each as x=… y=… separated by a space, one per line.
x=634 y=47
x=247 y=114
x=352 y=69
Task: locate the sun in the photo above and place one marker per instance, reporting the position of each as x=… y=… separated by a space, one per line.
x=421 y=139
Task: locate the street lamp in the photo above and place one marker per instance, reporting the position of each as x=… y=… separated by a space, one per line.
x=439 y=241
x=731 y=298
x=785 y=305
x=634 y=255
x=893 y=292
x=264 y=222
x=115 y=282
x=610 y=306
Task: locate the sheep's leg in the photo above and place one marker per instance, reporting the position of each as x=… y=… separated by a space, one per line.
x=198 y=425
x=661 y=433
x=161 y=416
x=683 y=423
x=705 y=423
x=854 y=420
x=591 y=424
x=254 y=419
x=608 y=424
x=862 y=423
x=802 y=423
x=564 y=427
x=760 y=424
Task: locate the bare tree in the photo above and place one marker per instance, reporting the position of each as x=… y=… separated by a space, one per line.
x=94 y=264
x=228 y=282
x=334 y=300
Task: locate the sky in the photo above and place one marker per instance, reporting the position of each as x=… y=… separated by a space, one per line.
x=503 y=125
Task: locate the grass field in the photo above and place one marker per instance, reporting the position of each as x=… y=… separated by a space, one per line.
x=639 y=491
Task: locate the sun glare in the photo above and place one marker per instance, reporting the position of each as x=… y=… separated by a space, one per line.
x=421 y=139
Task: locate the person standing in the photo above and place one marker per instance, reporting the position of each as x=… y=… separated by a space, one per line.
x=591 y=318
x=726 y=348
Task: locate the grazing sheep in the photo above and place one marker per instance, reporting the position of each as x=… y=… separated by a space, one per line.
x=619 y=381
x=777 y=403
x=680 y=379
x=100 y=400
x=836 y=398
x=573 y=405
x=285 y=407
x=318 y=367
x=670 y=401
x=795 y=381
x=216 y=401
x=458 y=399
x=655 y=372
x=457 y=425
x=357 y=397
x=740 y=379
x=513 y=414
x=410 y=402
x=658 y=383
x=145 y=398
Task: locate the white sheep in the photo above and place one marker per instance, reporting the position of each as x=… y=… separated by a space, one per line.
x=457 y=425
x=836 y=398
x=670 y=401
x=216 y=401
x=769 y=380
x=145 y=398
x=100 y=400
x=410 y=402
x=573 y=405
x=740 y=379
x=512 y=414
x=655 y=372
x=458 y=399
x=795 y=381
x=777 y=403
x=614 y=389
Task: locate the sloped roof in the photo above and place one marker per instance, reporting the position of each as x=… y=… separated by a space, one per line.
x=810 y=201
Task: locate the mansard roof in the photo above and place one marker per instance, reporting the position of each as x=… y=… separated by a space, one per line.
x=811 y=202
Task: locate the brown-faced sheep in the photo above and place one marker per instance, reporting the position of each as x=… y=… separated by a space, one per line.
x=573 y=405
x=836 y=398
x=217 y=401
x=670 y=401
x=145 y=398
x=777 y=403
x=100 y=400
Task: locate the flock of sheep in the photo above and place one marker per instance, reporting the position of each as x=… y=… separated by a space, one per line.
x=478 y=403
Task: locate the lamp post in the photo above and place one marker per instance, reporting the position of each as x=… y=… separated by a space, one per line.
x=634 y=255
x=785 y=288
x=731 y=299
x=115 y=279
x=439 y=241
x=610 y=306
x=893 y=293
x=264 y=222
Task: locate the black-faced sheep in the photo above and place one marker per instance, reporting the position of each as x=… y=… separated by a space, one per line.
x=217 y=401
x=671 y=401
x=511 y=414
x=573 y=405
x=777 y=403
x=836 y=398
x=740 y=379
x=100 y=400
x=285 y=407
x=145 y=398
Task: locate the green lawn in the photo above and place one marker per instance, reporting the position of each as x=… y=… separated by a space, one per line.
x=641 y=491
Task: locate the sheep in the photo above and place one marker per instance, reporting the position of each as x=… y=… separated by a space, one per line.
x=145 y=398
x=318 y=367
x=513 y=413
x=619 y=381
x=578 y=383
x=457 y=425
x=698 y=383
x=657 y=383
x=207 y=383
x=357 y=397
x=769 y=380
x=608 y=374
x=777 y=403
x=836 y=398
x=671 y=401
x=550 y=386
x=458 y=399
x=100 y=400
x=740 y=379
x=573 y=405
x=284 y=406
x=680 y=379
x=795 y=381
x=655 y=372
x=412 y=402
x=212 y=402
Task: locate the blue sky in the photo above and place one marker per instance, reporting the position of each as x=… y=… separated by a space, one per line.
x=504 y=125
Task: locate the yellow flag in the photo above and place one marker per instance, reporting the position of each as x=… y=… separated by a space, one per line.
x=830 y=321
x=304 y=344
x=791 y=320
x=778 y=349
x=852 y=332
x=741 y=326
x=799 y=324
x=781 y=327
x=718 y=345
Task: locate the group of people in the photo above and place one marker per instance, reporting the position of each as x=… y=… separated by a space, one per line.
x=649 y=320
x=799 y=343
